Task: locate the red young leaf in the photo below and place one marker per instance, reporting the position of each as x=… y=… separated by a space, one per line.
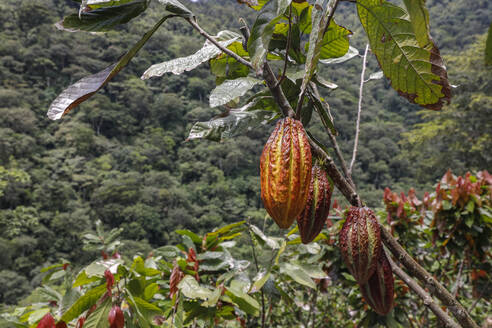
x=109 y=280
x=116 y=317
x=80 y=322
x=47 y=321
x=61 y=324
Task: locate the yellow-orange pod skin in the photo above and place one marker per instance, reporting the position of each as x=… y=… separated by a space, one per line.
x=285 y=170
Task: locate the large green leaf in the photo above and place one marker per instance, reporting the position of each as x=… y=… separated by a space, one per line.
x=231 y=89
x=190 y=288
x=335 y=42
x=83 y=303
x=351 y=53
x=103 y=18
x=88 y=86
x=488 y=47
x=263 y=29
x=416 y=72
x=322 y=10
x=180 y=65
x=233 y=122
x=298 y=274
x=99 y=318
x=245 y=302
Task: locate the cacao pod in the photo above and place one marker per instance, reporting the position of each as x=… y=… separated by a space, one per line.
x=116 y=317
x=313 y=217
x=285 y=170
x=379 y=289
x=360 y=242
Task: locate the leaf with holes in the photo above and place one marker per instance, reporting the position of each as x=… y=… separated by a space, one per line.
x=231 y=89
x=411 y=62
x=231 y=123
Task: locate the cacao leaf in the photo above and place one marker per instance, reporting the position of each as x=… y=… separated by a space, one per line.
x=177 y=8
x=88 y=86
x=262 y=31
x=297 y=274
x=233 y=122
x=84 y=303
x=183 y=64
x=103 y=18
x=412 y=63
x=99 y=318
x=231 y=89
x=351 y=53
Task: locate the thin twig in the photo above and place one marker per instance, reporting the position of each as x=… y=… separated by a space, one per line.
x=217 y=44
x=359 y=110
x=282 y=77
x=428 y=301
x=456 y=287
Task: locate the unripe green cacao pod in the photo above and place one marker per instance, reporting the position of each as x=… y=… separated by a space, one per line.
x=379 y=289
x=360 y=242
x=285 y=170
x=313 y=218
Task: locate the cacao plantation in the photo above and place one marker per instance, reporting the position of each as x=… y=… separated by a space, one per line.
x=143 y=207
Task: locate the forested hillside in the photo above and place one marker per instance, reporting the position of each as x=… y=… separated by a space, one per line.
x=122 y=156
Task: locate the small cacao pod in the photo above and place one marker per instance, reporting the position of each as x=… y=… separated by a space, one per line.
x=285 y=170
x=360 y=242
x=379 y=289
x=313 y=218
x=116 y=317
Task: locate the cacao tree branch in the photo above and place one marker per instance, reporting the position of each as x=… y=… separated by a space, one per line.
x=427 y=299
x=359 y=109
x=276 y=91
x=197 y=27
x=434 y=287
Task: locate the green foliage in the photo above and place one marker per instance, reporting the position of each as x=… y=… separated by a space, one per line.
x=121 y=158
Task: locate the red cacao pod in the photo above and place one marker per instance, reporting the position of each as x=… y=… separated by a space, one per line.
x=285 y=170
x=379 y=289
x=116 y=317
x=313 y=218
x=360 y=242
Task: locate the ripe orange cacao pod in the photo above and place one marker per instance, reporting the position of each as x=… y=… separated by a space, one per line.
x=285 y=170
x=313 y=218
x=360 y=242
x=379 y=289
x=116 y=317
